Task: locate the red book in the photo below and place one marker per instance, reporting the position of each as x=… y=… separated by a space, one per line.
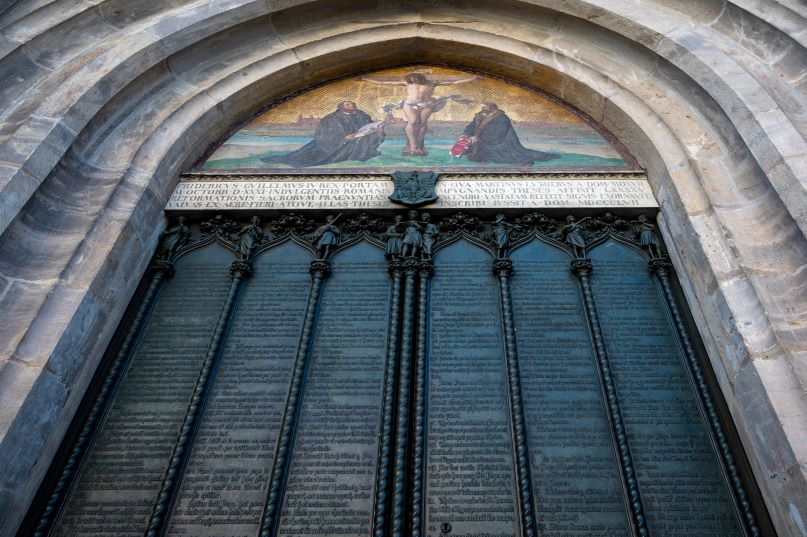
x=461 y=146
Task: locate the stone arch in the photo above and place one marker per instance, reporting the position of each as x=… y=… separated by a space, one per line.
x=108 y=102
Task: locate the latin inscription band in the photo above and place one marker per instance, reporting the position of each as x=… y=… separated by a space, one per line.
x=196 y=195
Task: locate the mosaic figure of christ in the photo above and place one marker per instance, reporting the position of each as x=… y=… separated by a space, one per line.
x=420 y=103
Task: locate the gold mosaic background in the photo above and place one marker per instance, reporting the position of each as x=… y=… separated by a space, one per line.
x=520 y=104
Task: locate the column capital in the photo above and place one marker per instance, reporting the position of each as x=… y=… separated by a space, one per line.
x=659 y=265
x=321 y=267
x=163 y=267
x=581 y=267
x=396 y=266
x=240 y=268
x=411 y=264
x=502 y=267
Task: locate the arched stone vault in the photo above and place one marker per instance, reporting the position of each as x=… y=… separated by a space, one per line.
x=105 y=102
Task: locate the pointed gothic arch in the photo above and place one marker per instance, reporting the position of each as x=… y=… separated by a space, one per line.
x=97 y=133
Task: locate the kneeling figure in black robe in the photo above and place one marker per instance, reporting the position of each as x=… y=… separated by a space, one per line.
x=334 y=140
x=493 y=139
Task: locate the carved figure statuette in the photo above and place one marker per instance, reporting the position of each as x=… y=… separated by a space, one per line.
x=328 y=236
x=573 y=235
x=501 y=235
x=393 y=238
x=412 y=240
x=249 y=237
x=173 y=239
x=430 y=235
x=647 y=235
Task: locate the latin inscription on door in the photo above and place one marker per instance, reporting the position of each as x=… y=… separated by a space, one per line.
x=224 y=487
x=470 y=468
x=327 y=484
x=684 y=493
x=574 y=472
x=122 y=476
x=333 y=464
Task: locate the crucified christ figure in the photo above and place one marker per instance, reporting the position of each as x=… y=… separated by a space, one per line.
x=419 y=104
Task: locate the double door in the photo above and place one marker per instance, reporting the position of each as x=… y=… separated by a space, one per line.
x=538 y=389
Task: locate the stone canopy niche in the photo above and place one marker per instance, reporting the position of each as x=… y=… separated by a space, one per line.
x=402 y=372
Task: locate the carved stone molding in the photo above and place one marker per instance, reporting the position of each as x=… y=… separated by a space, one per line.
x=346 y=177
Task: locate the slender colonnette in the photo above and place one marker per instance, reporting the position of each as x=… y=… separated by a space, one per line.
x=161 y=511
x=582 y=269
x=161 y=271
x=381 y=503
x=426 y=270
x=660 y=267
x=288 y=427
x=402 y=417
x=503 y=268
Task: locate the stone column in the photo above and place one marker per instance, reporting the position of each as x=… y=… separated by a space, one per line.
x=380 y=517
x=160 y=272
x=582 y=269
x=425 y=271
x=288 y=427
x=503 y=268
x=402 y=415
x=161 y=512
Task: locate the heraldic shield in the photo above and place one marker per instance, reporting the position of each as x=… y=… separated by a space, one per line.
x=414 y=188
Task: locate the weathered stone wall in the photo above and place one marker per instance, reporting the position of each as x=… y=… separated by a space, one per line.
x=104 y=102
